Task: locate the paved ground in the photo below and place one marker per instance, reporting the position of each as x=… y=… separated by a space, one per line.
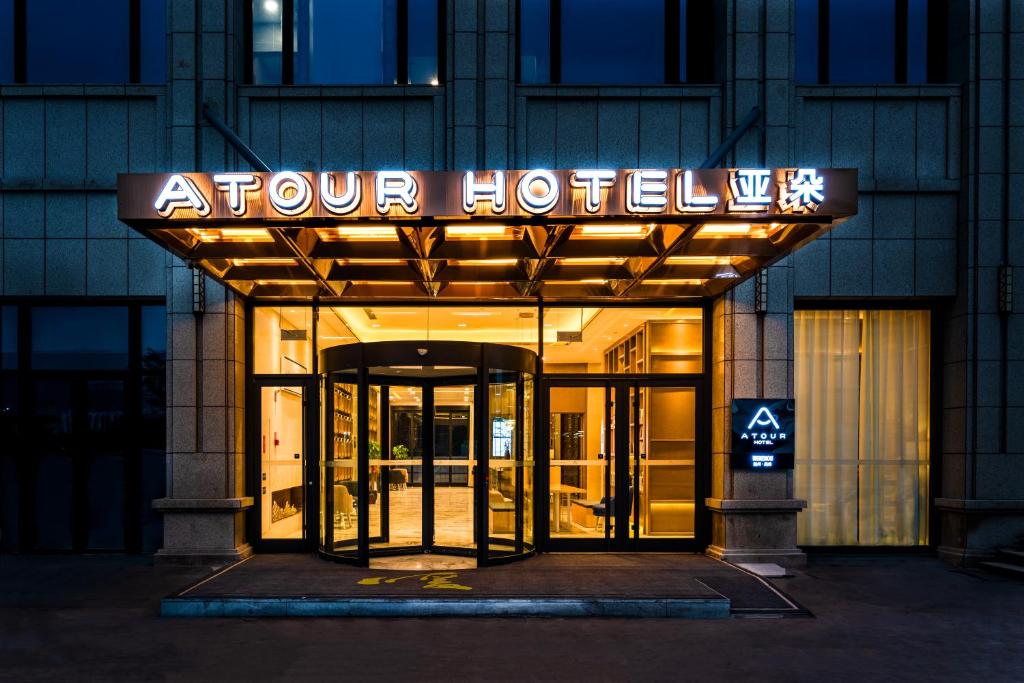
x=901 y=618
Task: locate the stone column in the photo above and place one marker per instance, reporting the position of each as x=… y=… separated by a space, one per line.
x=753 y=514
x=204 y=520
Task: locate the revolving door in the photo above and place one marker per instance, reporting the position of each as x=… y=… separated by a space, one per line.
x=428 y=447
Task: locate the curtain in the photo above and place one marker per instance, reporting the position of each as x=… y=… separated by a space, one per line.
x=826 y=373
x=894 y=430
x=863 y=426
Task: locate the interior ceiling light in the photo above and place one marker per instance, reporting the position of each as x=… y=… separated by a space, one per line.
x=592 y=261
x=724 y=230
x=357 y=232
x=284 y=282
x=699 y=260
x=264 y=262
x=371 y=262
x=673 y=282
x=476 y=231
x=485 y=262
x=232 y=234
x=614 y=230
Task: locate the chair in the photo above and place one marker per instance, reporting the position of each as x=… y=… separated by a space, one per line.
x=605 y=509
x=343 y=506
x=398 y=478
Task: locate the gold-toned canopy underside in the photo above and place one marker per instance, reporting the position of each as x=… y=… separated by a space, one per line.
x=466 y=261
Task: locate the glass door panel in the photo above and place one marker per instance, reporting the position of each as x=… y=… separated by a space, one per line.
x=664 y=434
x=340 y=487
x=504 y=487
x=396 y=466
x=580 y=454
x=282 y=460
x=453 y=466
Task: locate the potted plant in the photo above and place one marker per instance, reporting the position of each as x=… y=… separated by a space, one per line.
x=400 y=452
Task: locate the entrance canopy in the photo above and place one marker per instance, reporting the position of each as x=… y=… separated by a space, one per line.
x=562 y=235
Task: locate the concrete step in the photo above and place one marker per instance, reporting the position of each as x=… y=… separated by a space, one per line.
x=1011 y=555
x=683 y=608
x=1004 y=568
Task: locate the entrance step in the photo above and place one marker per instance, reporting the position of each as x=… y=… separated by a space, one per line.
x=686 y=608
x=1014 y=570
x=639 y=585
x=1011 y=555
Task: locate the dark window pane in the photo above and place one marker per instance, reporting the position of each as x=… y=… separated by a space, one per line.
x=6 y=41
x=423 y=41
x=153 y=44
x=917 y=41
x=346 y=41
x=862 y=41
x=154 y=333
x=266 y=41
x=85 y=337
x=807 y=41
x=70 y=41
x=104 y=416
x=53 y=502
x=535 y=41
x=106 y=502
x=682 y=40
x=154 y=485
x=8 y=337
x=609 y=41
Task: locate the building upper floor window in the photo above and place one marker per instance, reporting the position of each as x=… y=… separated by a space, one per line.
x=70 y=41
x=602 y=42
x=871 y=41
x=353 y=42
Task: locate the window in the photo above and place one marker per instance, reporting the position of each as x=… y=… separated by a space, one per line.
x=44 y=41
x=82 y=414
x=348 y=42
x=871 y=41
x=863 y=429
x=600 y=42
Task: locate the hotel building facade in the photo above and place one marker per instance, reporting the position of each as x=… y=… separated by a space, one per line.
x=504 y=277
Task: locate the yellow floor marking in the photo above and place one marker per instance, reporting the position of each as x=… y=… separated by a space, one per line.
x=440 y=580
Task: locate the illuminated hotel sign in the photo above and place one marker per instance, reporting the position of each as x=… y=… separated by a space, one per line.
x=762 y=434
x=531 y=195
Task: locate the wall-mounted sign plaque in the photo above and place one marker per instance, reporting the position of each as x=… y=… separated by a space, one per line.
x=762 y=434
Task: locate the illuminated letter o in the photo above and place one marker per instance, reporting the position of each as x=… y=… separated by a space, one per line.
x=527 y=196
x=298 y=202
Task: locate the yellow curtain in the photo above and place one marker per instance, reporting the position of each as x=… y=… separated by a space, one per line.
x=894 y=431
x=862 y=449
x=826 y=373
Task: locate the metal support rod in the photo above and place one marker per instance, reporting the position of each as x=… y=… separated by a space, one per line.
x=257 y=163
x=234 y=140
x=748 y=121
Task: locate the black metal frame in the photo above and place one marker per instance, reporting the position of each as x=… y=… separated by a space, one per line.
x=288 y=41
x=26 y=465
x=484 y=360
x=936 y=307
x=700 y=52
x=20 y=46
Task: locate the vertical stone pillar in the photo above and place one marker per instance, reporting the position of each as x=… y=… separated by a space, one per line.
x=204 y=520
x=753 y=514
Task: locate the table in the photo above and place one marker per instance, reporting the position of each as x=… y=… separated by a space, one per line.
x=557 y=491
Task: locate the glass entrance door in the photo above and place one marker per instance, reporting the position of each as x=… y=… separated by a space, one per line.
x=285 y=482
x=421 y=466
x=623 y=466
